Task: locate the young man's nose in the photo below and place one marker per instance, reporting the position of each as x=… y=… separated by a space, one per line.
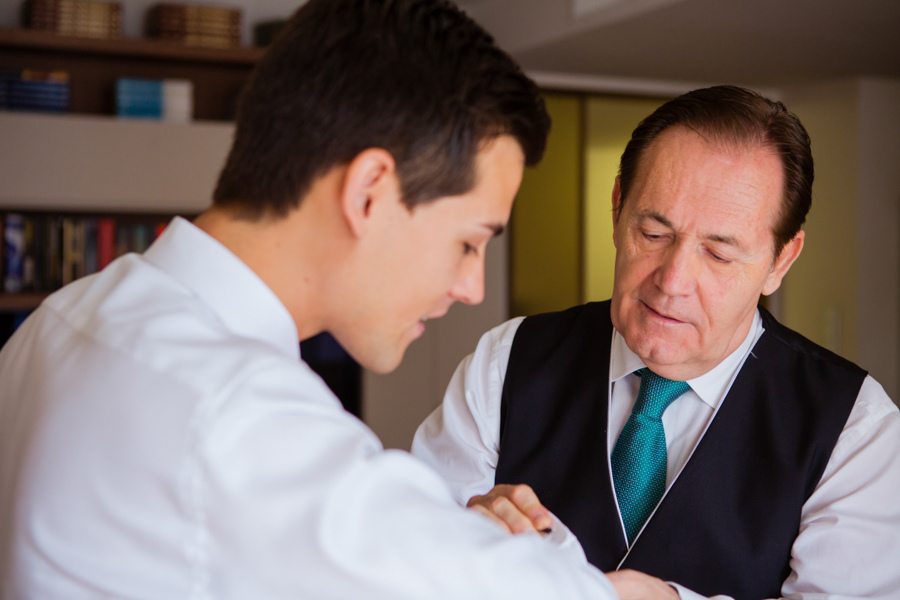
x=469 y=285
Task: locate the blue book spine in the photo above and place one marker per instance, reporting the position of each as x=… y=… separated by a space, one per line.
x=14 y=244
x=26 y=94
x=141 y=98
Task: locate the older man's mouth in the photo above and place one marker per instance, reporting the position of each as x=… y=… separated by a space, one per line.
x=658 y=315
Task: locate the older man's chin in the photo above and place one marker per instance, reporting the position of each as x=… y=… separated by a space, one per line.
x=669 y=358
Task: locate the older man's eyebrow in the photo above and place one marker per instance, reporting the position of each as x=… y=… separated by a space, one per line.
x=712 y=237
x=725 y=239
x=652 y=214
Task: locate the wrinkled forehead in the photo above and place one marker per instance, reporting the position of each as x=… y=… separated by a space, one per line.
x=743 y=173
x=673 y=148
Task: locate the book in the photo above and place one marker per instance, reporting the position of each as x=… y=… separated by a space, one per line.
x=195 y=25
x=106 y=242
x=143 y=235
x=41 y=252
x=30 y=90
x=139 y=98
x=82 y=18
x=13 y=252
x=29 y=267
x=123 y=239
x=52 y=267
x=177 y=100
x=72 y=250
x=91 y=259
x=166 y=99
x=39 y=14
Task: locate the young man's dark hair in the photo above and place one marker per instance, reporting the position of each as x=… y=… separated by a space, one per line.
x=417 y=78
x=731 y=114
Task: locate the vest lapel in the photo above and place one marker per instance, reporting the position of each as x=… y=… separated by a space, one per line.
x=669 y=489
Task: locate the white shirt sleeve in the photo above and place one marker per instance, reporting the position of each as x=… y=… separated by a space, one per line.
x=849 y=542
x=299 y=481
x=461 y=438
x=850 y=526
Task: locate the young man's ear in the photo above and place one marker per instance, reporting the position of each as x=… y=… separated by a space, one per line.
x=371 y=179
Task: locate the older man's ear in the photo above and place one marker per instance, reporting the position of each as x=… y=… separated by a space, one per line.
x=616 y=207
x=789 y=254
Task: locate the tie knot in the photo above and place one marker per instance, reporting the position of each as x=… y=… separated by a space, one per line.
x=656 y=393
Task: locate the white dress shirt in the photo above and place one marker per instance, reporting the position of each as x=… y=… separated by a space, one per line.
x=161 y=438
x=849 y=541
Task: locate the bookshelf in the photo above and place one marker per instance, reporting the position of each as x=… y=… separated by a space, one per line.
x=22 y=301
x=90 y=163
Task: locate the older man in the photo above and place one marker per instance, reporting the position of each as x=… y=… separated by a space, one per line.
x=679 y=430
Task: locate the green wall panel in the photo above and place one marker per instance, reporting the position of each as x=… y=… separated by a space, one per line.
x=545 y=247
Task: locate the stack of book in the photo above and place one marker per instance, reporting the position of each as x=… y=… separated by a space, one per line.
x=192 y=25
x=34 y=91
x=82 y=18
x=166 y=99
x=43 y=252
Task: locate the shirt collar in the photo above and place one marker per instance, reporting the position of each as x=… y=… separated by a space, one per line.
x=711 y=386
x=236 y=294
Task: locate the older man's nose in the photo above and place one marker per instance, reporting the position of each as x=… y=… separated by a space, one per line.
x=677 y=274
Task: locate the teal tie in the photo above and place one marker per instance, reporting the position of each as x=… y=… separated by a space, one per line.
x=639 y=458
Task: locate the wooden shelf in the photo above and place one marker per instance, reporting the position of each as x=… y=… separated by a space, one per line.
x=126 y=47
x=94 y=65
x=24 y=301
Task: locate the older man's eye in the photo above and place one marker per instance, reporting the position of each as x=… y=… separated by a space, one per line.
x=719 y=259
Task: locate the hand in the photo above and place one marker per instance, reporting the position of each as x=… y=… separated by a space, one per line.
x=516 y=507
x=634 y=585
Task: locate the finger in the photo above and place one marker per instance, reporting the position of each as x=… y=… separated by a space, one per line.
x=625 y=585
x=474 y=500
x=634 y=585
x=506 y=510
x=486 y=512
x=527 y=502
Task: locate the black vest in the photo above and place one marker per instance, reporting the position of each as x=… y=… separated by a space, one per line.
x=727 y=524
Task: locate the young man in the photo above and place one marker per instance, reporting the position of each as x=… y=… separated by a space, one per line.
x=160 y=436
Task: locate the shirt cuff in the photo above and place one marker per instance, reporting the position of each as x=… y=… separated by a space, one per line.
x=687 y=594
x=565 y=540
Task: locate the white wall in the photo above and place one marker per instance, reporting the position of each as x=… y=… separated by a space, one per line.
x=879 y=231
x=844 y=291
x=395 y=404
